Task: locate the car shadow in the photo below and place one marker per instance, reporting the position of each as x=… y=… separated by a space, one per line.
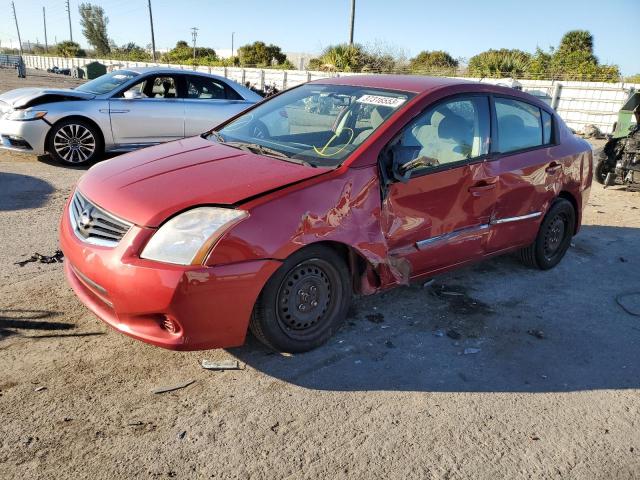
x=23 y=192
x=18 y=319
x=496 y=326
x=48 y=160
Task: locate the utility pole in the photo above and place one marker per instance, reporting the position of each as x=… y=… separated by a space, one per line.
x=232 y=34
x=44 y=21
x=69 y=15
x=153 y=38
x=353 y=20
x=194 y=35
x=13 y=6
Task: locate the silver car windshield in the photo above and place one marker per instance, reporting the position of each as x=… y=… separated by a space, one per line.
x=319 y=125
x=108 y=82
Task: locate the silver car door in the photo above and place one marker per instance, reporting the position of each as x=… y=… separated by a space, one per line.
x=208 y=102
x=147 y=113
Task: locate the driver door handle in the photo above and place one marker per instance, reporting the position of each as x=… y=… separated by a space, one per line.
x=483 y=186
x=553 y=167
x=119 y=111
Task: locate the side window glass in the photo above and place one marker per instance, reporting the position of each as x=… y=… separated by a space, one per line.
x=547 y=128
x=160 y=87
x=519 y=125
x=205 y=88
x=450 y=132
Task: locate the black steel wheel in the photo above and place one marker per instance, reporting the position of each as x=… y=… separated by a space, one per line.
x=304 y=302
x=554 y=236
x=600 y=171
x=74 y=142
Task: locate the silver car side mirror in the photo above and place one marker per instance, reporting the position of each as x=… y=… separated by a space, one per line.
x=132 y=94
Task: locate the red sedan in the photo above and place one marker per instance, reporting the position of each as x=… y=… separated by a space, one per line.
x=272 y=221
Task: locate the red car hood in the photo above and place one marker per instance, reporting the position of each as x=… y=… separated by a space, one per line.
x=147 y=186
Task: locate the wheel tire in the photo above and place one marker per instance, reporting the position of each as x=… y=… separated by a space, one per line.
x=304 y=302
x=74 y=142
x=554 y=237
x=600 y=171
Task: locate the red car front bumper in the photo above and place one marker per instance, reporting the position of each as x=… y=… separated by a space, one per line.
x=171 y=306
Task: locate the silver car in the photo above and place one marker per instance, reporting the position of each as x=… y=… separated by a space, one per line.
x=117 y=112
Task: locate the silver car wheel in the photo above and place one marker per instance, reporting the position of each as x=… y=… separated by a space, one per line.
x=74 y=143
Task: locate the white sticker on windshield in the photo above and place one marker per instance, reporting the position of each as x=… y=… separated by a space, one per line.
x=393 y=102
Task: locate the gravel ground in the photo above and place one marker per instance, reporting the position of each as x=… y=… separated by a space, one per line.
x=391 y=396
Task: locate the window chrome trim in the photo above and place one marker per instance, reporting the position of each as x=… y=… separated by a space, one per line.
x=498 y=221
x=422 y=244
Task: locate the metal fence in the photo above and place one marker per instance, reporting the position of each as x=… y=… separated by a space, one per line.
x=578 y=103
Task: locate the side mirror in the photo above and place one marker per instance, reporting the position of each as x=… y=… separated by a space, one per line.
x=132 y=94
x=401 y=158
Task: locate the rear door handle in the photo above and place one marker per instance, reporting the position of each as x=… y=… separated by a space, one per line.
x=553 y=167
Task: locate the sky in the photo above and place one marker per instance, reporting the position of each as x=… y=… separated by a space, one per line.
x=461 y=27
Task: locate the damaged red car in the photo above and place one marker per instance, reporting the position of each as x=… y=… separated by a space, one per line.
x=275 y=219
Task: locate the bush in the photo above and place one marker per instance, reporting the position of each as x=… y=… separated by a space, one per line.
x=435 y=61
x=259 y=54
x=69 y=49
x=500 y=63
x=183 y=53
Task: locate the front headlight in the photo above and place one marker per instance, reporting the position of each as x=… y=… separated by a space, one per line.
x=25 y=115
x=187 y=238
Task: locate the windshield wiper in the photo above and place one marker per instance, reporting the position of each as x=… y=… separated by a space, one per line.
x=271 y=152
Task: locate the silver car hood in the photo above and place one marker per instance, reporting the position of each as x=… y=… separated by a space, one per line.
x=25 y=97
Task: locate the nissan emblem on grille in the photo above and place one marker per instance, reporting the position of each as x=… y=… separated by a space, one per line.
x=94 y=225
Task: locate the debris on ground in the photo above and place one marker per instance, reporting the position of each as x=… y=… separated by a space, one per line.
x=459 y=302
x=536 y=333
x=375 y=317
x=623 y=260
x=172 y=388
x=40 y=389
x=389 y=344
x=471 y=351
x=222 y=365
x=274 y=428
x=591 y=131
x=438 y=333
x=57 y=257
x=625 y=306
x=456 y=335
x=182 y=434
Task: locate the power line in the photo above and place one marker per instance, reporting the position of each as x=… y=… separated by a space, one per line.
x=194 y=36
x=69 y=16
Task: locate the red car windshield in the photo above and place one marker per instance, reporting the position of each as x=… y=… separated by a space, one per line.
x=314 y=124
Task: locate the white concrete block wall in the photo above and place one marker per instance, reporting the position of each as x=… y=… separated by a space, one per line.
x=579 y=103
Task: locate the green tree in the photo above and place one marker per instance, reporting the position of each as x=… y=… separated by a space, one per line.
x=68 y=49
x=183 y=53
x=500 y=63
x=434 y=61
x=633 y=78
x=261 y=55
x=572 y=60
x=130 y=51
x=94 y=27
x=576 y=41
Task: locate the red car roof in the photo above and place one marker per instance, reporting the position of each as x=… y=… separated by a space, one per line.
x=407 y=83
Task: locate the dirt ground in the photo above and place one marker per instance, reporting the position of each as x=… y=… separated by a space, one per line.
x=390 y=396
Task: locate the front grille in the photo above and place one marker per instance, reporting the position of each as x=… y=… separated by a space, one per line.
x=94 y=225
